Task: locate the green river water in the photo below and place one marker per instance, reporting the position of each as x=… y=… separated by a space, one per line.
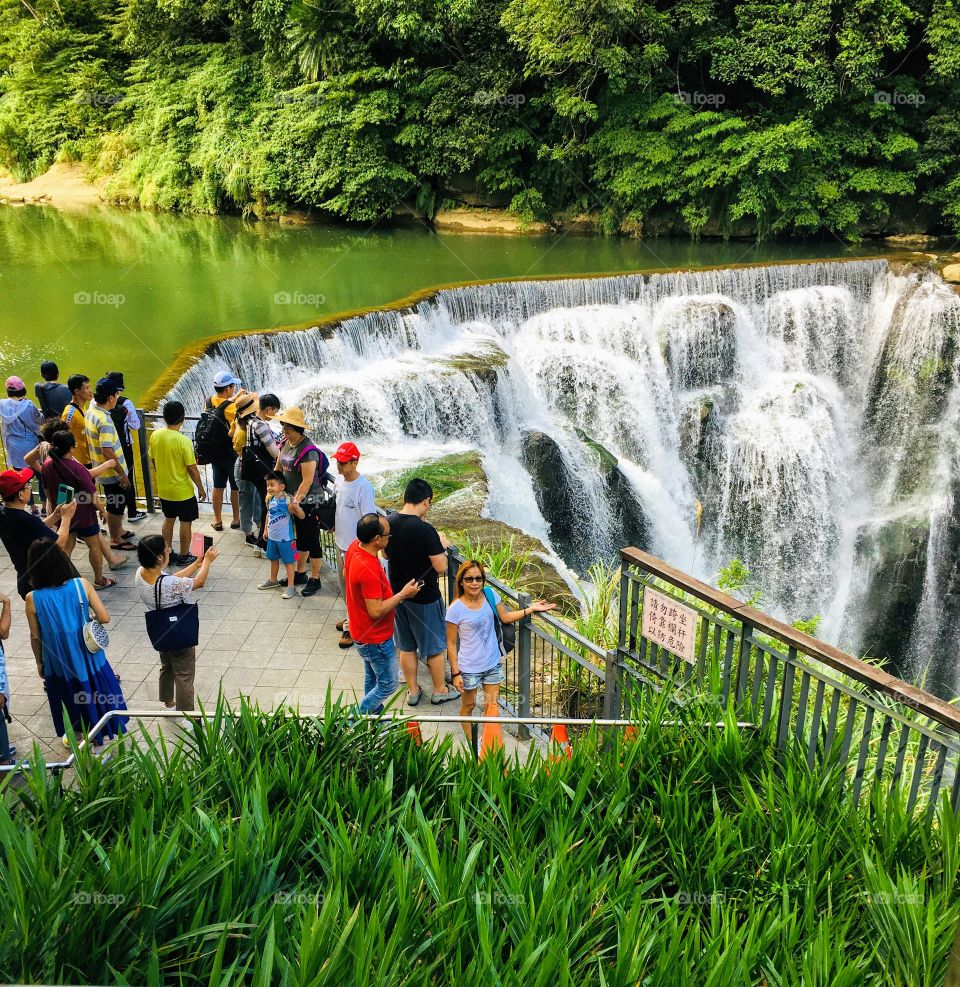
x=104 y=289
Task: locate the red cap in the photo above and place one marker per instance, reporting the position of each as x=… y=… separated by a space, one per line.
x=13 y=481
x=345 y=452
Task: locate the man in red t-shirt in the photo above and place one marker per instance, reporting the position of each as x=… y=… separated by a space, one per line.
x=370 y=607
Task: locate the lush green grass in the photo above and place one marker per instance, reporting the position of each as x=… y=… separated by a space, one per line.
x=302 y=852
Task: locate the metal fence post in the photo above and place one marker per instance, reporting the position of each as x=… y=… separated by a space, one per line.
x=524 y=643
x=611 y=686
x=142 y=439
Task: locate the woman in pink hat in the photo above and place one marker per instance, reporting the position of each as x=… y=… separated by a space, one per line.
x=20 y=421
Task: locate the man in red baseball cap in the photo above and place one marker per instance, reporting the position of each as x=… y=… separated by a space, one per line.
x=355 y=498
x=20 y=528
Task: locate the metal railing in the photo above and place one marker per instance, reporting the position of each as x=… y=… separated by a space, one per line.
x=889 y=733
x=886 y=732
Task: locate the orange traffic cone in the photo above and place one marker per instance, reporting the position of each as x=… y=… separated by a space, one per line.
x=559 y=735
x=413 y=729
x=492 y=733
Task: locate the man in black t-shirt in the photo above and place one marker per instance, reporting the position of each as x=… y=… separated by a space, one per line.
x=19 y=528
x=416 y=551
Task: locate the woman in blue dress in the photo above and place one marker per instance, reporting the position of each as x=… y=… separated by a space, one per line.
x=77 y=682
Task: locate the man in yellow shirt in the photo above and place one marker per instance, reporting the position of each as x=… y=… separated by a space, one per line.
x=176 y=472
x=103 y=444
x=74 y=414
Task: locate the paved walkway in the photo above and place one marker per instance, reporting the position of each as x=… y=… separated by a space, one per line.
x=252 y=643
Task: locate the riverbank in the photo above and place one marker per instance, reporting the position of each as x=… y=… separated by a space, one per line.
x=64 y=186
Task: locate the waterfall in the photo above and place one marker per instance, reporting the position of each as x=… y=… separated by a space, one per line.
x=808 y=409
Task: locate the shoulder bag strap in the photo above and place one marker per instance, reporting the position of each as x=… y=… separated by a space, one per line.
x=156 y=591
x=82 y=600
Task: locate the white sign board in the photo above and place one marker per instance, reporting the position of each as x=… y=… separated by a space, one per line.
x=669 y=624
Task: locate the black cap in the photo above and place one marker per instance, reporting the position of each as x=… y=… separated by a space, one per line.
x=116 y=376
x=106 y=387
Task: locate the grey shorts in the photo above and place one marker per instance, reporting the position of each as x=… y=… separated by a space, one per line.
x=421 y=627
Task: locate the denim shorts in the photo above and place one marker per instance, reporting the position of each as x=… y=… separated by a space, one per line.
x=492 y=676
x=420 y=627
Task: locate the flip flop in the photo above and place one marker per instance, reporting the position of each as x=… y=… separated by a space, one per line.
x=128 y=534
x=124 y=546
x=117 y=565
x=217 y=526
x=235 y=527
x=107 y=582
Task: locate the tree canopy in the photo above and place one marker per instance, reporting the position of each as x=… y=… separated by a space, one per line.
x=707 y=115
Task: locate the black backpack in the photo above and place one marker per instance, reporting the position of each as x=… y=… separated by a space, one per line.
x=211 y=441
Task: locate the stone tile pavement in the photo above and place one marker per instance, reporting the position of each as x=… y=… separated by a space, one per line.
x=252 y=643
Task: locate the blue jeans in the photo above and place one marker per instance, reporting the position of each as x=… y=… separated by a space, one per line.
x=380 y=675
x=251 y=507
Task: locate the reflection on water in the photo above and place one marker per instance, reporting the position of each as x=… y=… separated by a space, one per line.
x=106 y=289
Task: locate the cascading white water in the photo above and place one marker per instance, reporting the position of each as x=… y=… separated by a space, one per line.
x=805 y=407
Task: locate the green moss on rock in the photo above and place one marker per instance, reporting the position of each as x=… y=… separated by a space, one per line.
x=446 y=475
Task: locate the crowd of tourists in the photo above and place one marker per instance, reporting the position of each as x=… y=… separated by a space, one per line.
x=77 y=442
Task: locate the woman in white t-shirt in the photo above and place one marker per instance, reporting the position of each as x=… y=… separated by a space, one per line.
x=177 y=668
x=473 y=646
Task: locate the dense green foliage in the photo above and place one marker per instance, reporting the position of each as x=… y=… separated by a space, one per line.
x=305 y=852
x=791 y=117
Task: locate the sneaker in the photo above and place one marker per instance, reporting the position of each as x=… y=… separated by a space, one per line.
x=269 y=584
x=289 y=593
x=444 y=697
x=299 y=578
x=251 y=539
x=345 y=640
x=312 y=586
x=187 y=559
x=139 y=516
x=259 y=553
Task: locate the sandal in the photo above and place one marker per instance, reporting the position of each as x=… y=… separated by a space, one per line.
x=217 y=526
x=118 y=565
x=107 y=582
x=235 y=526
x=124 y=546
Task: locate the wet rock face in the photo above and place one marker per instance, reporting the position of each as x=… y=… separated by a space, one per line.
x=891 y=600
x=700 y=343
x=571 y=513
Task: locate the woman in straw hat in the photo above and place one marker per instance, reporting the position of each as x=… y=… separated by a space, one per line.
x=304 y=469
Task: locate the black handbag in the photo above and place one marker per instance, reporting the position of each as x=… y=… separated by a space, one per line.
x=172 y=628
x=326 y=513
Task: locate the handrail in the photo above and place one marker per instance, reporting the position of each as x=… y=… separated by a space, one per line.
x=290 y=711
x=896 y=689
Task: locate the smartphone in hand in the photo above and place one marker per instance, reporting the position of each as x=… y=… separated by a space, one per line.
x=64 y=494
x=207 y=543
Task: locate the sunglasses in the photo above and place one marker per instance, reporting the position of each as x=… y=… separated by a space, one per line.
x=472 y=579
